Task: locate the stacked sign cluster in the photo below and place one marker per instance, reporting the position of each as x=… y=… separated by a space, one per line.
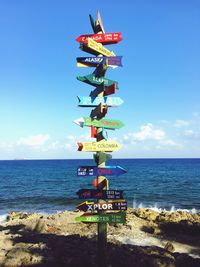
x=101 y=204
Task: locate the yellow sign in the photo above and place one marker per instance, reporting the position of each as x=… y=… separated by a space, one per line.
x=99 y=48
x=101 y=146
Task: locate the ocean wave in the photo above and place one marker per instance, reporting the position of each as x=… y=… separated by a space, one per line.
x=3 y=218
x=159 y=209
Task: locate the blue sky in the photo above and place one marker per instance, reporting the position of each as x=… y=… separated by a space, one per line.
x=159 y=81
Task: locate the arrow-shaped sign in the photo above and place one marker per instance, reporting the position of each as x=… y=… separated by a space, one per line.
x=100 y=194
x=95 y=171
x=95 y=48
x=95 y=61
x=105 y=218
x=94 y=80
x=104 y=146
x=103 y=123
x=104 y=38
x=88 y=101
x=108 y=205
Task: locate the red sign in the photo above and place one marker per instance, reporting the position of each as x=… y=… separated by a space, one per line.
x=104 y=38
x=110 y=89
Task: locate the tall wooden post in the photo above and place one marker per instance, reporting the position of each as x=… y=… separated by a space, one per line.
x=101 y=227
x=105 y=199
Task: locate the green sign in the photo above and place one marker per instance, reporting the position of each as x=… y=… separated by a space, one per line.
x=103 y=123
x=94 y=80
x=101 y=157
x=106 y=218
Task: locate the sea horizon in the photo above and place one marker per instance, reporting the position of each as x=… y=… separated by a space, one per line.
x=146 y=158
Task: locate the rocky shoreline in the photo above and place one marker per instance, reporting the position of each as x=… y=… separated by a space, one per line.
x=148 y=239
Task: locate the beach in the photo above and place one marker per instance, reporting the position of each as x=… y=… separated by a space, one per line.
x=148 y=238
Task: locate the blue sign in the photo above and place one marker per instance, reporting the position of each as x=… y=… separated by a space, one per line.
x=99 y=194
x=95 y=171
x=88 y=101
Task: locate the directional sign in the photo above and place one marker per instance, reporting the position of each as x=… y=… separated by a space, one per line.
x=110 y=89
x=106 y=218
x=108 y=205
x=105 y=146
x=95 y=61
x=104 y=38
x=94 y=81
x=95 y=171
x=88 y=101
x=100 y=194
x=101 y=157
x=95 y=48
x=103 y=123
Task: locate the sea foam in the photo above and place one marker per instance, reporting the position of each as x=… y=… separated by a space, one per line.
x=3 y=218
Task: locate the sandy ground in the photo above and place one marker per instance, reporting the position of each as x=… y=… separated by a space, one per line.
x=148 y=238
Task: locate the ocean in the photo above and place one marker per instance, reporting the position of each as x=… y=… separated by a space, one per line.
x=50 y=186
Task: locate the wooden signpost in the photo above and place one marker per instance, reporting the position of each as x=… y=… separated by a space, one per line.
x=107 y=205
x=104 y=218
x=99 y=146
x=95 y=171
x=103 y=38
x=95 y=81
x=111 y=62
x=100 y=194
x=102 y=199
x=102 y=123
x=95 y=48
x=88 y=101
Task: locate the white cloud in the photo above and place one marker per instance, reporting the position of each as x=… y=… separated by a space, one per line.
x=147 y=132
x=191 y=134
x=54 y=145
x=34 y=140
x=168 y=143
x=71 y=138
x=181 y=123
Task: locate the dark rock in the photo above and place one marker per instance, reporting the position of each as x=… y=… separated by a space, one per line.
x=169 y=247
